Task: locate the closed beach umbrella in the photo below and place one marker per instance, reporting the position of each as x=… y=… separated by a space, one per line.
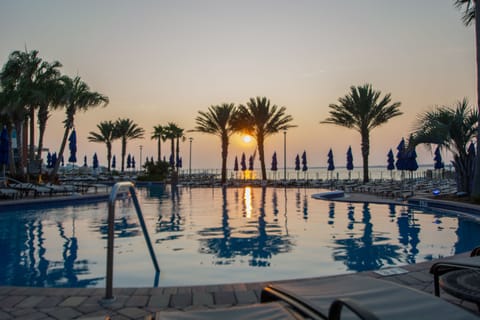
x=133 y=162
x=412 y=164
x=243 y=162
x=129 y=160
x=62 y=161
x=274 y=162
x=85 y=161
x=250 y=163
x=390 y=161
x=54 y=159
x=297 y=163
x=49 y=160
x=95 y=161
x=471 y=161
x=179 y=163
x=401 y=156
x=331 y=164
x=114 y=162
x=235 y=164
x=304 y=161
x=349 y=162
x=72 y=145
x=171 y=161
x=438 y=164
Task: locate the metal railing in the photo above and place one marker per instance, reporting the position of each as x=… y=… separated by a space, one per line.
x=111 y=219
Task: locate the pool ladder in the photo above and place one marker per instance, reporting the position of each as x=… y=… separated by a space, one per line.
x=119 y=186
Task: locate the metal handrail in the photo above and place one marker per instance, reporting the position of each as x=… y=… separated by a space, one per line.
x=111 y=219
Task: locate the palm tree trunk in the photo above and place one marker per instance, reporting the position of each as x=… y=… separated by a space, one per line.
x=31 y=152
x=159 y=146
x=60 y=154
x=124 y=151
x=261 y=153
x=11 y=160
x=476 y=179
x=365 y=153
x=173 y=155
x=224 y=159
x=42 y=125
x=109 y=156
x=177 y=155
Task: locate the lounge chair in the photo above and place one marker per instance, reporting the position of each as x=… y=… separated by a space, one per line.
x=362 y=298
x=342 y=297
x=459 y=277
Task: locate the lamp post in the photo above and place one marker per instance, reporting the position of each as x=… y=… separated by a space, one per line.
x=190 y=158
x=285 y=155
x=141 y=163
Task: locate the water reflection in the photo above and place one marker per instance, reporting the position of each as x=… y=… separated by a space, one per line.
x=409 y=232
x=226 y=244
x=370 y=251
x=25 y=259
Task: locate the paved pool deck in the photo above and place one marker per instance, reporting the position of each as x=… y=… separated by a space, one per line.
x=139 y=303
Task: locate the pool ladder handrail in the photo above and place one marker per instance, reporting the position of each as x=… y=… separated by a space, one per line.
x=117 y=187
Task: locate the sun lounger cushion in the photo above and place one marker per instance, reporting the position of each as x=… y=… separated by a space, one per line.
x=272 y=311
x=384 y=299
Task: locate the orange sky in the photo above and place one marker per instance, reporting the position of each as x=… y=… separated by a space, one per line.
x=162 y=61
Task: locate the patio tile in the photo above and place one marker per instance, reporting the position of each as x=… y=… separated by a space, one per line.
x=49 y=302
x=64 y=313
x=137 y=301
x=30 y=302
x=225 y=298
x=246 y=297
x=72 y=301
x=132 y=313
x=11 y=301
x=159 y=301
x=181 y=300
x=202 y=299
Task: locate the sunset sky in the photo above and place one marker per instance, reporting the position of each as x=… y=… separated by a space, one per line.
x=163 y=61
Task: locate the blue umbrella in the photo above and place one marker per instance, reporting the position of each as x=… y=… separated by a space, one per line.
x=349 y=159
x=412 y=164
x=133 y=163
x=72 y=145
x=62 y=161
x=274 y=162
x=95 y=161
x=401 y=156
x=179 y=162
x=331 y=165
x=297 y=163
x=114 y=162
x=129 y=161
x=171 y=161
x=438 y=159
x=54 y=159
x=84 y=161
x=250 y=163
x=304 y=161
x=235 y=165
x=243 y=163
x=390 y=161
x=49 y=160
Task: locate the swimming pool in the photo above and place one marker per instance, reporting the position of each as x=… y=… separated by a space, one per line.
x=214 y=235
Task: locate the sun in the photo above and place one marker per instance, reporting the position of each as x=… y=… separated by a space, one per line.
x=247 y=138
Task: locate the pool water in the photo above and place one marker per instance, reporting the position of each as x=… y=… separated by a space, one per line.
x=214 y=235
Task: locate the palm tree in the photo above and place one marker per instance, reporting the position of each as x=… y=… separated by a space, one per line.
x=261 y=119
x=471 y=10
x=126 y=129
x=218 y=121
x=159 y=134
x=363 y=110
x=452 y=128
x=174 y=133
x=75 y=96
x=47 y=95
x=106 y=134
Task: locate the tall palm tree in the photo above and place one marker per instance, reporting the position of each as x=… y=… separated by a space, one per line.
x=471 y=11
x=174 y=133
x=218 y=121
x=106 y=134
x=75 y=96
x=452 y=128
x=261 y=119
x=126 y=129
x=363 y=110
x=159 y=134
x=47 y=95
